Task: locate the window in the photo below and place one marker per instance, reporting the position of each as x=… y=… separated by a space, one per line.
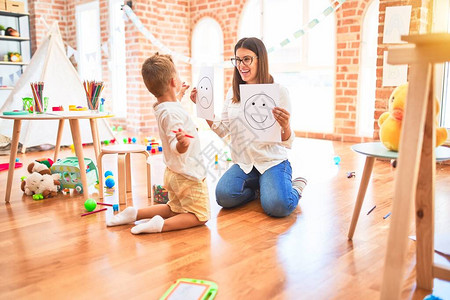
x=207 y=49
x=117 y=59
x=441 y=23
x=305 y=65
x=368 y=66
x=88 y=41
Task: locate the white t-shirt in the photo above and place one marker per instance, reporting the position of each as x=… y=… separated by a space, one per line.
x=249 y=154
x=171 y=116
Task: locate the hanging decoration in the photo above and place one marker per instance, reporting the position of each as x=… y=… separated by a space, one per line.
x=297 y=34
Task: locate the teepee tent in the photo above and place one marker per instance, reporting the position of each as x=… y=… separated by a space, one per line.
x=62 y=86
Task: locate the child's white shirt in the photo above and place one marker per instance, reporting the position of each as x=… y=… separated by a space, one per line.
x=249 y=154
x=171 y=116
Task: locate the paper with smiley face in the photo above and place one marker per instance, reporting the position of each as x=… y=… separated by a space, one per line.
x=257 y=103
x=205 y=94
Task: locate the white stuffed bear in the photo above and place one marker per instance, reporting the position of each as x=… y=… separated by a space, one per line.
x=46 y=185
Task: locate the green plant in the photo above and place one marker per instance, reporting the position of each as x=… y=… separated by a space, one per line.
x=2 y=27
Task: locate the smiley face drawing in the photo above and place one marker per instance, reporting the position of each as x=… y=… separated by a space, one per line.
x=258 y=111
x=205 y=92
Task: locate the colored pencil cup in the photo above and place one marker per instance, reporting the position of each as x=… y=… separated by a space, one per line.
x=28 y=104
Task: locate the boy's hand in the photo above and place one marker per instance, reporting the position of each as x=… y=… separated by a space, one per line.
x=282 y=116
x=183 y=141
x=183 y=89
x=194 y=95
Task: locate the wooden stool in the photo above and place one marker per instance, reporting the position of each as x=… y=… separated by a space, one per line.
x=124 y=165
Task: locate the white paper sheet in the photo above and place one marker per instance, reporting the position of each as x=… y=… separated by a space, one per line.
x=396 y=24
x=205 y=94
x=257 y=103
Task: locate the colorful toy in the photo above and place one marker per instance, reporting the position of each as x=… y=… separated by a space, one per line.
x=160 y=194
x=110 y=183
x=115 y=207
x=391 y=122
x=90 y=204
x=351 y=174
x=5 y=166
x=198 y=289
x=36 y=183
x=337 y=160
x=58 y=108
x=69 y=170
x=108 y=173
x=38 y=197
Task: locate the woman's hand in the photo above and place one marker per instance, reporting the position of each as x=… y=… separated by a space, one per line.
x=194 y=95
x=282 y=116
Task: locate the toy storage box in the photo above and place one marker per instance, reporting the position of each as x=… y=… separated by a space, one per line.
x=15 y=7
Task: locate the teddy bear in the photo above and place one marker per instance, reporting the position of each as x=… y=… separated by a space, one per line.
x=40 y=181
x=391 y=122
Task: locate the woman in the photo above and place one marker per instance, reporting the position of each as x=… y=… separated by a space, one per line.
x=260 y=167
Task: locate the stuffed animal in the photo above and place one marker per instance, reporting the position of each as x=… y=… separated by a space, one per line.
x=40 y=181
x=46 y=184
x=391 y=122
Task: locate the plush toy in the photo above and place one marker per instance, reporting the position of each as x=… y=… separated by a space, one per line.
x=391 y=122
x=46 y=184
x=40 y=181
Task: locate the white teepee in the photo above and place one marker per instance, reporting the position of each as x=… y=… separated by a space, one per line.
x=62 y=86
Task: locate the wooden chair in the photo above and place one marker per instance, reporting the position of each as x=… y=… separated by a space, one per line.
x=124 y=168
x=416 y=159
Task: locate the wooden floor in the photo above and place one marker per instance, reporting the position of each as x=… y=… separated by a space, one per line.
x=49 y=251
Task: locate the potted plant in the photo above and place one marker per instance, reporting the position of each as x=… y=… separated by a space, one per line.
x=2 y=30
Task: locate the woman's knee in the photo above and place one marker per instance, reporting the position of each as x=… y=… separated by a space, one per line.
x=275 y=206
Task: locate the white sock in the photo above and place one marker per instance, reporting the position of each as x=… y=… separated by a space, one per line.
x=154 y=225
x=128 y=215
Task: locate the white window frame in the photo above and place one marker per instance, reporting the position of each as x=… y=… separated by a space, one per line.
x=89 y=64
x=117 y=59
x=367 y=74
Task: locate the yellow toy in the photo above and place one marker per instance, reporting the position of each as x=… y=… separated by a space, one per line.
x=391 y=122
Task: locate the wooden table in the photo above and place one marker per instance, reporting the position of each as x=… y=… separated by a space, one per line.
x=73 y=117
x=372 y=151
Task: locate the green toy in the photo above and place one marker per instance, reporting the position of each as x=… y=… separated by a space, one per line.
x=191 y=289
x=90 y=204
x=38 y=197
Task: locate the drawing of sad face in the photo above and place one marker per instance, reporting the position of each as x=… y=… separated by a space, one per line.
x=205 y=92
x=258 y=111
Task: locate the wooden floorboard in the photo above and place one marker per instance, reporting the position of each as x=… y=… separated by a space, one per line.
x=49 y=251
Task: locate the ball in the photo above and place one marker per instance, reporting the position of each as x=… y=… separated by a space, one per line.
x=110 y=182
x=90 y=204
x=108 y=173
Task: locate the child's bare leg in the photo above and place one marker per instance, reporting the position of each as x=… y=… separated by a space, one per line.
x=158 y=224
x=158 y=209
x=181 y=221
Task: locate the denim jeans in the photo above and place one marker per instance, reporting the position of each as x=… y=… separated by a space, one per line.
x=278 y=198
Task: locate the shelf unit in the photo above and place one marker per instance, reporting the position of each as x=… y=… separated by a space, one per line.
x=9 y=71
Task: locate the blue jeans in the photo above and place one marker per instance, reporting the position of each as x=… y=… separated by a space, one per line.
x=278 y=198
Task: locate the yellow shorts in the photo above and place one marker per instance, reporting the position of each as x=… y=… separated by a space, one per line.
x=186 y=195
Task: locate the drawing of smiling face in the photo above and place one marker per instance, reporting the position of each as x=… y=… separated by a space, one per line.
x=258 y=111
x=205 y=92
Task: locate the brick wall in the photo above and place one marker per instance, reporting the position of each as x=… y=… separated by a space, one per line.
x=420 y=23
x=172 y=22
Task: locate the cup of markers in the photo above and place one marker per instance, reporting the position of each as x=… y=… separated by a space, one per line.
x=37 y=88
x=93 y=90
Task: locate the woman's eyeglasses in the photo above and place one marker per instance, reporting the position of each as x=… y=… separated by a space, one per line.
x=247 y=60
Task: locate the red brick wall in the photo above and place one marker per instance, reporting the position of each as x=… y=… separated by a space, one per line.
x=172 y=22
x=420 y=17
